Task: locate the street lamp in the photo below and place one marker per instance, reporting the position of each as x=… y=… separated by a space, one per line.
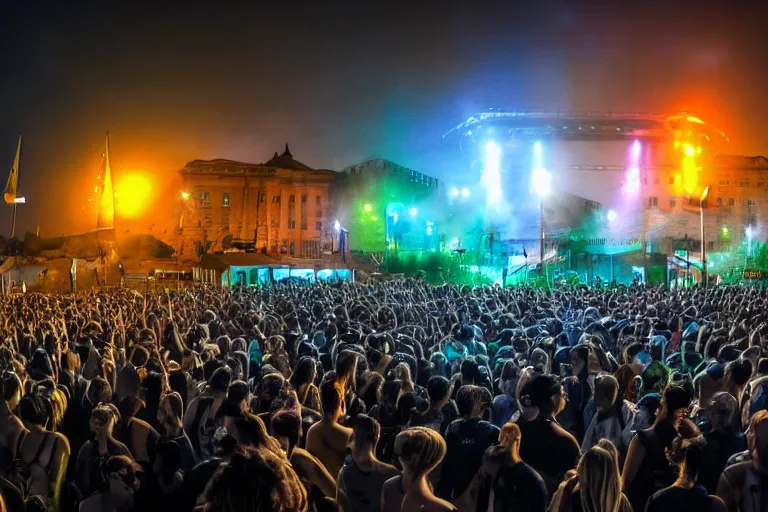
x=703 y=241
x=541 y=186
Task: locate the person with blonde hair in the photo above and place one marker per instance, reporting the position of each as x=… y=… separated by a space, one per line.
x=419 y=451
x=595 y=486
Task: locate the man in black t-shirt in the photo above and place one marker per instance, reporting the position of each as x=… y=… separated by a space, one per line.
x=516 y=486
x=546 y=446
x=466 y=439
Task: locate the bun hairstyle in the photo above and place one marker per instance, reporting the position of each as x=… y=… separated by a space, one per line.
x=688 y=454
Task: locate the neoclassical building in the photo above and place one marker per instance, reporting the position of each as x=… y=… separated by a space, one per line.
x=281 y=205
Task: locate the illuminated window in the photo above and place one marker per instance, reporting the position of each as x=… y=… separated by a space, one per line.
x=205 y=197
x=653 y=201
x=319 y=226
x=262 y=197
x=225 y=199
x=276 y=199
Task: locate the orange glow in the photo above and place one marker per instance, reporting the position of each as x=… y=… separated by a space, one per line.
x=694 y=120
x=689 y=151
x=133 y=193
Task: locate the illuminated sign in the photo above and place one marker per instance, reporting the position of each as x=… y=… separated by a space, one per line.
x=753 y=274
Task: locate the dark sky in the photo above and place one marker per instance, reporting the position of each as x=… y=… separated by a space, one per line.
x=344 y=81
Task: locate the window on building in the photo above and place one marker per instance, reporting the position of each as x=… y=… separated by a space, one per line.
x=731 y=201
x=653 y=201
x=303 y=198
x=319 y=226
x=291 y=212
x=672 y=202
x=318 y=201
x=719 y=201
x=725 y=182
x=225 y=199
x=205 y=197
x=671 y=180
x=276 y=199
x=760 y=184
x=744 y=182
x=751 y=202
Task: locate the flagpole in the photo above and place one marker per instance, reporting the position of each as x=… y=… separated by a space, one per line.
x=13 y=224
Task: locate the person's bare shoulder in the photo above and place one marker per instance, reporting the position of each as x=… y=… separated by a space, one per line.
x=718 y=505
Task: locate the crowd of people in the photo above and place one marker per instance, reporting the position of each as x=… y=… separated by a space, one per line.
x=392 y=396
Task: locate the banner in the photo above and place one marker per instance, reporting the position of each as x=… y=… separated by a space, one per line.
x=11 y=186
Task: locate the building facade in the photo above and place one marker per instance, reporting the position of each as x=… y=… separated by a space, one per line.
x=279 y=207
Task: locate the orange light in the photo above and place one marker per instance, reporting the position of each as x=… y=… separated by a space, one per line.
x=185 y=195
x=689 y=151
x=677 y=144
x=135 y=191
x=694 y=120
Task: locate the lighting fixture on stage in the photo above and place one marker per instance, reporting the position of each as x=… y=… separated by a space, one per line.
x=725 y=230
x=413 y=212
x=367 y=207
x=336 y=226
x=491 y=174
x=465 y=192
x=542 y=182
x=689 y=151
x=611 y=215
x=537 y=148
x=454 y=192
x=373 y=217
x=185 y=195
x=19 y=200
x=748 y=231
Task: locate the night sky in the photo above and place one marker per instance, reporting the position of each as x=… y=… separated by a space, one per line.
x=343 y=81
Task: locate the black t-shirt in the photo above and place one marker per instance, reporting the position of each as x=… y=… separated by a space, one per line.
x=519 y=488
x=549 y=451
x=467 y=440
x=678 y=499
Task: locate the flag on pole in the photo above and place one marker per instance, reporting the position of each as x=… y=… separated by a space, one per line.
x=106 y=218
x=12 y=184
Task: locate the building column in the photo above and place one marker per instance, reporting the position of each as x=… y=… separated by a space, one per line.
x=244 y=218
x=268 y=206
